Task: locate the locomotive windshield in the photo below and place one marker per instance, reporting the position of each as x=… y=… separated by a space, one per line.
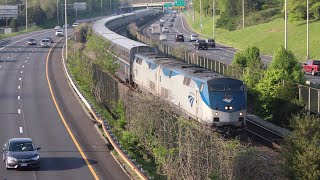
x=226 y=87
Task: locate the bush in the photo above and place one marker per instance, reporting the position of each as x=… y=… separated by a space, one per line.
x=81 y=32
x=301 y=150
x=229 y=23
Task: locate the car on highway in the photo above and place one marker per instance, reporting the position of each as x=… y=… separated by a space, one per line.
x=50 y=38
x=163 y=37
x=194 y=37
x=211 y=43
x=165 y=29
x=75 y=25
x=200 y=44
x=171 y=25
x=32 y=42
x=179 y=37
x=57 y=28
x=311 y=66
x=59 y=32
x=20 y=153
x=161 y=23
x=65 y=26
x=171 y=20
x=45 y=43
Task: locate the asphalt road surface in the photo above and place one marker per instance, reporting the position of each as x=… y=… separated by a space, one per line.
x=220 y=53
x=27 y=109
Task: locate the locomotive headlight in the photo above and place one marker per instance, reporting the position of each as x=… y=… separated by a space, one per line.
x=230 y=108
x=241 y=113
x=216 y=114
x=226 y=108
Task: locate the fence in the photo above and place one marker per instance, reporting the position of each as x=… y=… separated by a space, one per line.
x=311 y=98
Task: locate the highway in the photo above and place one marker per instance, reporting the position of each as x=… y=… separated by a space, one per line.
x=36 y=101
x=220 y=53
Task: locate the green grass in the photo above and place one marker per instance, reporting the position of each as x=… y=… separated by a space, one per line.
x=268 y=37
x=35 y=28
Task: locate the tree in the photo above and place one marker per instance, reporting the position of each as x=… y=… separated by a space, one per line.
x=274 y=94
x=301 y=149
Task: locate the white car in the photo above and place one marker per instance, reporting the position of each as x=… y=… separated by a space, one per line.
x=45 y=43
x=75 y=24
x=59 y=32
x=194 y=37
x=165 y=29
x=57 y=28
x=163 y=37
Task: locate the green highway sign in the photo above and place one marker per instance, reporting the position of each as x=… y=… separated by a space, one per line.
x=179 y=3
x=167 y=5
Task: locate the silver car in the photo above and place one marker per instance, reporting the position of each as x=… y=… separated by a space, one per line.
x=21 y=153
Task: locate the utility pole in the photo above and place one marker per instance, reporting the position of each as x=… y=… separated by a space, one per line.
x=101 y=7
x=242 y=14
x=200 y=16
x=58 y=12
x=213 y=19
x=65 y=27
x=26 y=15
x=110 y=6
x=307 y=29
x=285 y=26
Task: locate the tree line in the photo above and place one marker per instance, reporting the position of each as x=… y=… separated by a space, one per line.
x=43 y=12
x=256 y=11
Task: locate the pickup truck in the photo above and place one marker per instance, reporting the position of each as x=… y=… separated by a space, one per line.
x=211 y=43
x=312 y=66
x=200 y=44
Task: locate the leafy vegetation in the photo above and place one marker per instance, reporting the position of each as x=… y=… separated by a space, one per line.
x=301 y=151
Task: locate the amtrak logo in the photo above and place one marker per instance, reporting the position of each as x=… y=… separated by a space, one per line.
x=191 y=100
x=227 y=99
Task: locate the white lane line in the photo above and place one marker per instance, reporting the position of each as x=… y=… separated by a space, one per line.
x=19 y=48
x=11 y=53
x=25 y=61
x=0 y=66
x=23 y=66
x=19 y=79
x=21 y=72
x=21 y=130
x=28 y=57
x=19 y=87
x=8 y=57
x=18 y=97
x=19 y=111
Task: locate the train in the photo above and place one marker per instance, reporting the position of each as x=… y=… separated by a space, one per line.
x=201 y=94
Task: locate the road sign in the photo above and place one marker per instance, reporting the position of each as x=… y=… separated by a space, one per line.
x=167 y=5
x=179 y=3
x=8 y=11
x=79 y=6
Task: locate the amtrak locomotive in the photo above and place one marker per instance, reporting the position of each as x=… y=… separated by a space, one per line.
x=203 y=95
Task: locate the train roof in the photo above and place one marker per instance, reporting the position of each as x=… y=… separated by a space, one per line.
x=189 y=70
x=100 y=28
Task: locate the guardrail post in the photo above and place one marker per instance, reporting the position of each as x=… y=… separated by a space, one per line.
x=211 y=66
x=300 y=93
x=309 y=99
x=215 y=66
x=219 y=67
x=197 y=60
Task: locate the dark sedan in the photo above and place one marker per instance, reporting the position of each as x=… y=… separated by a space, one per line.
x=21 y=153
x=32 y=41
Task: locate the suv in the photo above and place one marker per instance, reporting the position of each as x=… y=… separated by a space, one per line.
x=200 y=44
x=57 y=28
x=211 y=43
x=179 y=37
x=165 y=30
x=312 y=66
x=194 y=37
x=45 y=43
x=59 y=32
x=75 y=25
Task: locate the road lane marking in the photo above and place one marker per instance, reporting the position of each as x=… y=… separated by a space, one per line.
x=94 y=174
x=19 y=79
x=19 y=87
x=21 y=72
x=18 y=97
x=25 y=61
x=8 y=57
x=28 y=57
x=21 y=130
x=19 y=111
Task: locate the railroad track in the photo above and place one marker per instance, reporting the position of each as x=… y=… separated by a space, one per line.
x=270 y=137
